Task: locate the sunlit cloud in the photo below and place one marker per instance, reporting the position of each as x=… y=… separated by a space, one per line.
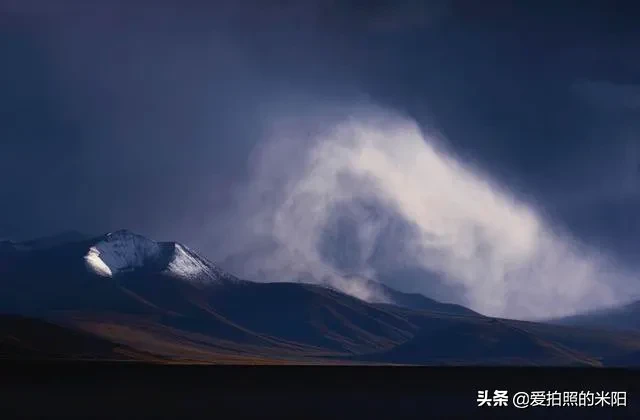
x=375 y=168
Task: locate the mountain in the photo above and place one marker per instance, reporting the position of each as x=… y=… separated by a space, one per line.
x=131 y=261
x=624 y=317
x=25 y=338
x=415 y=301
x=484 y=341
x=61 y=238
x=43 y=242
x=164 y=301
x=627 y=360
x=123 y=252
x=124 y=280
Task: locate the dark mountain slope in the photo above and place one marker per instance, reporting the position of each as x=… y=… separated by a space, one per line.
x=312 y=315
x=25 y=338
x=472 y=341
x=414 y=301
x=625 y=317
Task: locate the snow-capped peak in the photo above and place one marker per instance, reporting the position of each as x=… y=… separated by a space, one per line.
x=124 y=251
x=121 y=251
x=186 y=264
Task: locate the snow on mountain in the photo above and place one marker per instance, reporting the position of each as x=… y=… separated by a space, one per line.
x=124 y=251
x=121 y=251
x=186 y=264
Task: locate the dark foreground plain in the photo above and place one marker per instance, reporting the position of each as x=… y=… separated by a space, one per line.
x=75 y=389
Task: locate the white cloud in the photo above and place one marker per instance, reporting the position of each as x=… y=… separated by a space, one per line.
x=472 y=232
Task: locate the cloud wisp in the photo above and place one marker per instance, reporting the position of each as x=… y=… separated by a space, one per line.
x=375 y=170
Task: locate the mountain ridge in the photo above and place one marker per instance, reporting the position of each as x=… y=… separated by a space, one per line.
x=132 y=251
x=150 y=305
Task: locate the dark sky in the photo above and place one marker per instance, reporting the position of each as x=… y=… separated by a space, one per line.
x=142 y=115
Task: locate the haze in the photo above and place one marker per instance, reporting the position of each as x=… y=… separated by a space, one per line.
x=478 y=154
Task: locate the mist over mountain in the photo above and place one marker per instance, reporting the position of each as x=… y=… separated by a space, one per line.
x=481 y=155
x=423 y=197
x=374 y=194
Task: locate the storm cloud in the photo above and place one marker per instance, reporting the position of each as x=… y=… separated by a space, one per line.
x=163 y=118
